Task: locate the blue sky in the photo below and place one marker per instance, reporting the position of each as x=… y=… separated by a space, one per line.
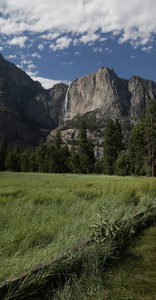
x=58 y=41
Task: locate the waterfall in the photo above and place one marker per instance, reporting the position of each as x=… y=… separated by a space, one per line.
x=66 y=101
x=66 y=107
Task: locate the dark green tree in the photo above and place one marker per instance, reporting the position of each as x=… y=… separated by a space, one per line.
x=58 y=140
x=122 y=166
x=112 y=145
x=11 y=161
x=118 y=137
x=98 y=167
x=64 y=158
x=58 y=156
x=24 y=162
x=17 y=154
x=74 y=161
x=33 y=167
x=85 y=150
x=54 y=154
x=3 y=153
x=142 y=143
x=41 y=156
x=150 y=135
x=136 y=148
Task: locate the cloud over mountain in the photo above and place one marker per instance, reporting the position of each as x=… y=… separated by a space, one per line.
x=132 y=21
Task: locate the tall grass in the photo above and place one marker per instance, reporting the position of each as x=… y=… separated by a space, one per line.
x=41 y=215
x=131 y=277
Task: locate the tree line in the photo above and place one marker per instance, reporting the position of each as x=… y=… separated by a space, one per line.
x=137 y=156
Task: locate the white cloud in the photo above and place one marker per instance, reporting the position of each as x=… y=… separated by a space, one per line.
x=133 y=20
x=148 y=48
x=18 y=41
x=89 y=38
x=97 y=49
x=108 y=50
x=36 y=55
x=103 y=39
x=31 y=66
x=26 y=62
x=41 y=47
x=32 y=74
x=50 y=36
x=10 y=56
x=67 y=63
x=61 y=43
x=46 y=82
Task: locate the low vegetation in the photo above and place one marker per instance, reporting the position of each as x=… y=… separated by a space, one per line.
x=131 y=276
x=41 y=215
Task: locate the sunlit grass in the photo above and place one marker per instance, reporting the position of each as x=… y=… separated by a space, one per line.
x=41 y=215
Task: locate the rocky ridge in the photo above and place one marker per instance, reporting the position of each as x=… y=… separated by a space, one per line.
x=27 y=111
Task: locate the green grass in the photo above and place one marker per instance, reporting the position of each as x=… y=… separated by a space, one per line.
x=41 y=215
x=131 y=277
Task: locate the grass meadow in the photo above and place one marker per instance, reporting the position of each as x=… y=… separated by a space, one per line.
x=130 y=277
x=41 y=215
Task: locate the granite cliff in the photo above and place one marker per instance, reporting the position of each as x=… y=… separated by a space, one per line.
x=113 y=96
x=27 y=111
x=100 y=90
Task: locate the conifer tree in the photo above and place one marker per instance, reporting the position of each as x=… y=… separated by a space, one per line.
x=112 y=145
x=58 y=140
x=41 y=156
x=122 y=166
x=136 y=149
x=10 y=161
x=74 y=161
x=54 y=154
x=58 y=155
x=3 y=153
x=85 y=150
x=150 y=134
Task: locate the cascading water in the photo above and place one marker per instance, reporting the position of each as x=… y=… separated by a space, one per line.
x=66 y=107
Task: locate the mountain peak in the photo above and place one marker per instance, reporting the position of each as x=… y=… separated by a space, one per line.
x=28 y=111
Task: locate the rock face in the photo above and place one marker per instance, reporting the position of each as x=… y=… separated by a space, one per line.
x=45 y=108
x=101 y=90
x=113 y=96
x=141 y=92
x=20 y=86
x=28 y=112
x=103 y=95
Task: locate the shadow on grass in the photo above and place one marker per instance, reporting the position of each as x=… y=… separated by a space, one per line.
x=87 y=257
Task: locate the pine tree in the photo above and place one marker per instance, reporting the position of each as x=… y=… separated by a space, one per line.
x=118 y=137
x=10 y=161
x=112 y=145
x=54 y=154
x=41 y=156
x=64 y=159
x=17 y=153
x=150 y=134
x=122 y=166
x=136 y=149
x=58 y=155
x=24 y=162
x=85 y=150
x=58 y=140
x=74 y=161
x=3 y=153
